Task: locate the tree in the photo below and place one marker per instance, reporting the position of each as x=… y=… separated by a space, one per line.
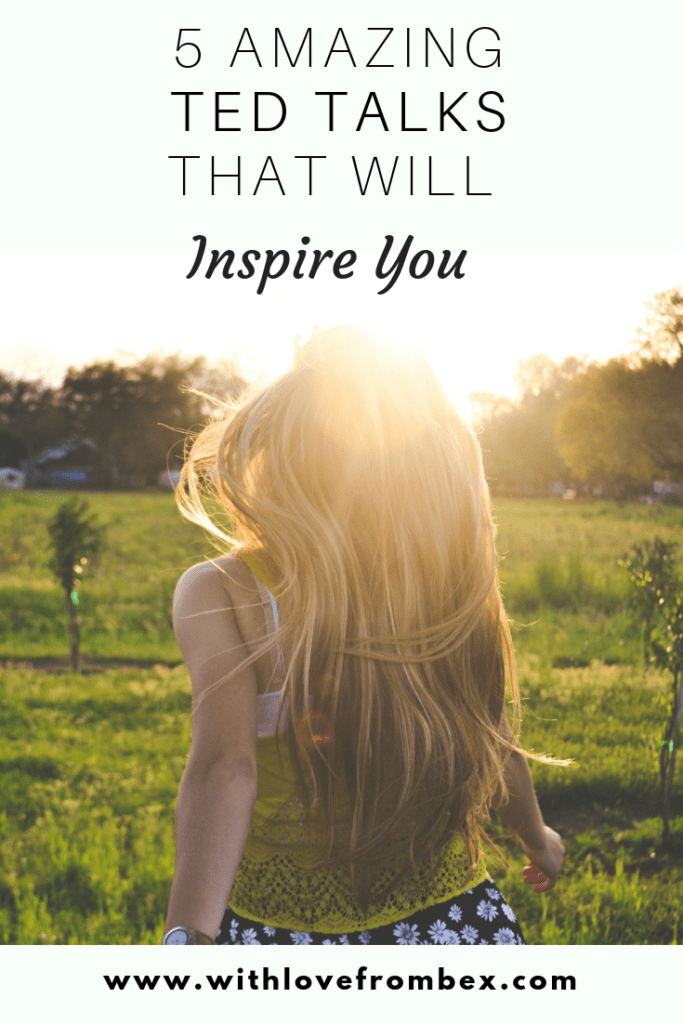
x=624 y=420
x=518 y=436
x=624 y=423
x=539 y=376
x=662 y=337
x=654 y=583
x=30 y=417
x=130 y=412
x=99 y=401
x=657 y=599
x=76 y=538
x=13 y=450
x=667 y=647
x=219 y=380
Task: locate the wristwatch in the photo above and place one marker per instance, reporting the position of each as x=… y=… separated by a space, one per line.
x=186 y=937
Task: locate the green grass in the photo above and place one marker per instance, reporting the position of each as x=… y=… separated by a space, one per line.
x=596 y=906
x=558 y=571
x=619 y=886
x=125 y=602
x=90 y=767
x=90 y=764
x=560 y=578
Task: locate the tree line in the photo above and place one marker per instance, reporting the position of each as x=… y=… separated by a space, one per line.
x=615 y=426
x=129 y=413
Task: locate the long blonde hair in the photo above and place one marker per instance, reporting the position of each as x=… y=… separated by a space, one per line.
x=356 y=481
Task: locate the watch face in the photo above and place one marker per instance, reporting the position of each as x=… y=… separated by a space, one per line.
x=177 y=937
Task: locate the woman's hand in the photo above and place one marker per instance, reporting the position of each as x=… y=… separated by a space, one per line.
x=545 y=862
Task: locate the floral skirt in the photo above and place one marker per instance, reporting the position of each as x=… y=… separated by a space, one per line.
x=478 y=917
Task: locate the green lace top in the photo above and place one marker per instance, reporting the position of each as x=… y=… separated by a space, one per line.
x=281 y=882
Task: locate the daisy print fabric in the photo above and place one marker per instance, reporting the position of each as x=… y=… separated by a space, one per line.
x=478 y=917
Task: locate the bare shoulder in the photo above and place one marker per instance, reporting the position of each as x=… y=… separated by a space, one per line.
x=217 y=608
x=212 y=582
x=206 y=610
x=224 y=685
x=204 y=606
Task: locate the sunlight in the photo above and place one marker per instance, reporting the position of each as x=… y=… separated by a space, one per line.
x=401 y=324
x=474 y=332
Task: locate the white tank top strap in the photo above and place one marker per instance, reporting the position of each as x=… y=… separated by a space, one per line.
x=268 y=704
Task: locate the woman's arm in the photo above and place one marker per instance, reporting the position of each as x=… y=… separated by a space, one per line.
x=218 y=789
x=522 y=815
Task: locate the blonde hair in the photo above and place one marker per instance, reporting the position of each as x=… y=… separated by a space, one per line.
x=355 y=479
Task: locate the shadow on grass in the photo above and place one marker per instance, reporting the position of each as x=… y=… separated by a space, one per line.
x=90 y=666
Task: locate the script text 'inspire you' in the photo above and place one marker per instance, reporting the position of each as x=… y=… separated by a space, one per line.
x=276 y=263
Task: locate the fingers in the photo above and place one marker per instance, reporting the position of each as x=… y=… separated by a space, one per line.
x=534 y=876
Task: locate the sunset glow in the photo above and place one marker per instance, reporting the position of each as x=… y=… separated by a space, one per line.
x=121 y=306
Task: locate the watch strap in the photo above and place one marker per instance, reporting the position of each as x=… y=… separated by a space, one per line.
x=191 y=937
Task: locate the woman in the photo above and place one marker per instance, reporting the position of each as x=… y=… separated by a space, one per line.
x=351 y=654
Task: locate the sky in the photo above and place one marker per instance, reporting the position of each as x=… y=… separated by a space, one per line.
x=63 y=309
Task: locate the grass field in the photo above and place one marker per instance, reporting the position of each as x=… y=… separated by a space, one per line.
x=91 y=764
x=125 y=603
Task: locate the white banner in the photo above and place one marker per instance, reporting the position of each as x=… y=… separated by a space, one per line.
x=559 y=983
x=497 y=125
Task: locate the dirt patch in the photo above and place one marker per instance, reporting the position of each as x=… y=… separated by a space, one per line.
x=572 y=822
x=89 y=666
